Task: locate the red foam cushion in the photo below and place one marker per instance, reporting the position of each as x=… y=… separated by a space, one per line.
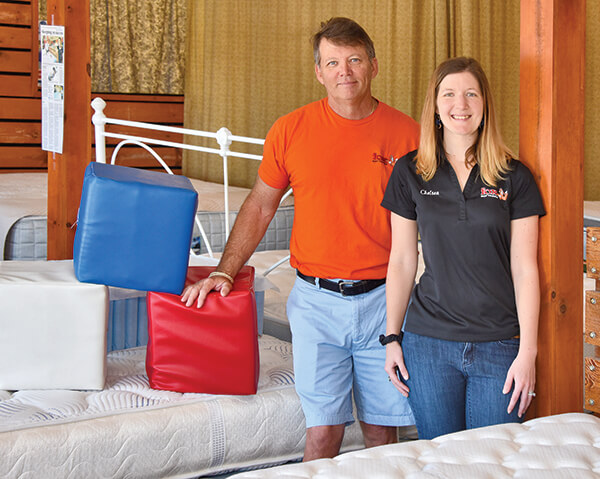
x=213 y=349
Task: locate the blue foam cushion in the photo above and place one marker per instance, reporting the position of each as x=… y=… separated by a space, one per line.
x=134 y=228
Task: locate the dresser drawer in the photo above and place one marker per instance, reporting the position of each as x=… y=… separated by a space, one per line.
x=592 y=252
x=592 y=317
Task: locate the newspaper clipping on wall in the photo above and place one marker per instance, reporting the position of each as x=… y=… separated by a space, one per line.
x=52 y=56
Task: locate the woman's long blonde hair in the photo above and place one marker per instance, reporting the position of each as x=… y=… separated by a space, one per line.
x=488 y=151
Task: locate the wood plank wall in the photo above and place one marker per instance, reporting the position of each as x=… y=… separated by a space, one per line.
x=20 y=108
x=20 y=103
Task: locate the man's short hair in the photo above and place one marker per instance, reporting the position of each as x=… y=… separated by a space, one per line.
x=342 y=31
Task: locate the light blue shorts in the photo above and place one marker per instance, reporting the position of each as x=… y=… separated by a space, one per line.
x=337 y=352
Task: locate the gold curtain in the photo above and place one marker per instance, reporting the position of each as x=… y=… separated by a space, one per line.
x=138 y=46
x=592 y=101
x=249 y=62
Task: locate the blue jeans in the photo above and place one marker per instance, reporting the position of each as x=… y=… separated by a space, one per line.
x=458 y=385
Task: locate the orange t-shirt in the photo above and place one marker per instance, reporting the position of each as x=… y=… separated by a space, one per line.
x=338 y=169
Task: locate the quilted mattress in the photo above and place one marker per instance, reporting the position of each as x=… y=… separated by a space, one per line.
x=565 y=446
x=130 y=430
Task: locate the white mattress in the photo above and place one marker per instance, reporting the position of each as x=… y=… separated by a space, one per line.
x=555 y=447
x=130 y=430
x=25 y=195
x=591 y=211
x=21 y=194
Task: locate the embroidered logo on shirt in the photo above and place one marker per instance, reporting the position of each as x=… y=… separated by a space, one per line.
x=492 y=193
x=377 y=158
x=429 y=193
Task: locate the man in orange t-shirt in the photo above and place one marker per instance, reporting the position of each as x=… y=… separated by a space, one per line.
x=337 y=154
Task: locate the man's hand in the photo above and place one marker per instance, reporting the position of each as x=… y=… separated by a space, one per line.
x=201 y=289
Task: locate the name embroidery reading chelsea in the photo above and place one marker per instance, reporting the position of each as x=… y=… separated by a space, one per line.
x=492 y=193
x=429 y=193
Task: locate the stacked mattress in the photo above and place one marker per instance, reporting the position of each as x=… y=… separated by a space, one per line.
x=130 y=430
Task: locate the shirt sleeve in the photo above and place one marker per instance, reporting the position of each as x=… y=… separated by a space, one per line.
x=398 y=197
x=272 y=167
x=525 y=198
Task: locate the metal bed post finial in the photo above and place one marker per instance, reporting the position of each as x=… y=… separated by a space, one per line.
x=99 y=120
x=224 y=140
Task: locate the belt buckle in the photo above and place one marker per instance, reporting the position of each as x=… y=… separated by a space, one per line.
x=343 y=284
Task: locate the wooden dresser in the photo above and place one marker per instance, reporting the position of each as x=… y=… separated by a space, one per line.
x=592 y=322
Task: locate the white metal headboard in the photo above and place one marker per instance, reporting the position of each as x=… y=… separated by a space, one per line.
x=223 y=137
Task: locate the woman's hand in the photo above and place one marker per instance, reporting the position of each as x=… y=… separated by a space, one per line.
x=394 y=365
x=522 y=374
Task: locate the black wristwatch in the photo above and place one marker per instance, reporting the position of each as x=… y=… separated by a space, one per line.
x=390 y=338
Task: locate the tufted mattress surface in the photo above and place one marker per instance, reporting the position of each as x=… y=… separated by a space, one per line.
x=565 y=446
x=129 y=430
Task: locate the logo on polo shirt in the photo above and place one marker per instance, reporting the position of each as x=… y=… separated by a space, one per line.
x=377 y=158
x=492 y=193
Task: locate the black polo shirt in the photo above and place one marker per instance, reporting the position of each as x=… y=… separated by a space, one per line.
x=466 y=292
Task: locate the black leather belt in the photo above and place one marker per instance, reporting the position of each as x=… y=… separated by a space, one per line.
x=345 y=288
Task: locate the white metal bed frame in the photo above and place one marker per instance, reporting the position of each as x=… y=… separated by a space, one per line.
x=223 y=137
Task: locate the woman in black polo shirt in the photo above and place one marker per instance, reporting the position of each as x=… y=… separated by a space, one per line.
x=470 y=332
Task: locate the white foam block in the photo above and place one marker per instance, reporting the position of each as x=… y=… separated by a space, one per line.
x=52 y=327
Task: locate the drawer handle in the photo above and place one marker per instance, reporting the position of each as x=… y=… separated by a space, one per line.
x=592 y=334
x=593 y=300
x=594 y=239
x=592 y=402
x=593 y=270
x=592 y=367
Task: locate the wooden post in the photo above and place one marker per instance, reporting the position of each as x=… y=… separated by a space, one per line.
x=65 y=172
x=551 y=135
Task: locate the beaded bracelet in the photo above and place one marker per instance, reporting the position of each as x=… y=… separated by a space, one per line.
x=222 y=275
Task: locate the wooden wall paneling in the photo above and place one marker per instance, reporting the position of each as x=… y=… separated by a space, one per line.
x=16 y=132
x=149 y=112
x=16 y=13
x=137 y=157
x=15 y=85
x=22 y=158
x=551 y=132
x=15 y=61
x=20 y=130
x=35 y=49
x=65 y=171
x=15 y=37
x=20 y=109
x=18 y=49
x=166 y=109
